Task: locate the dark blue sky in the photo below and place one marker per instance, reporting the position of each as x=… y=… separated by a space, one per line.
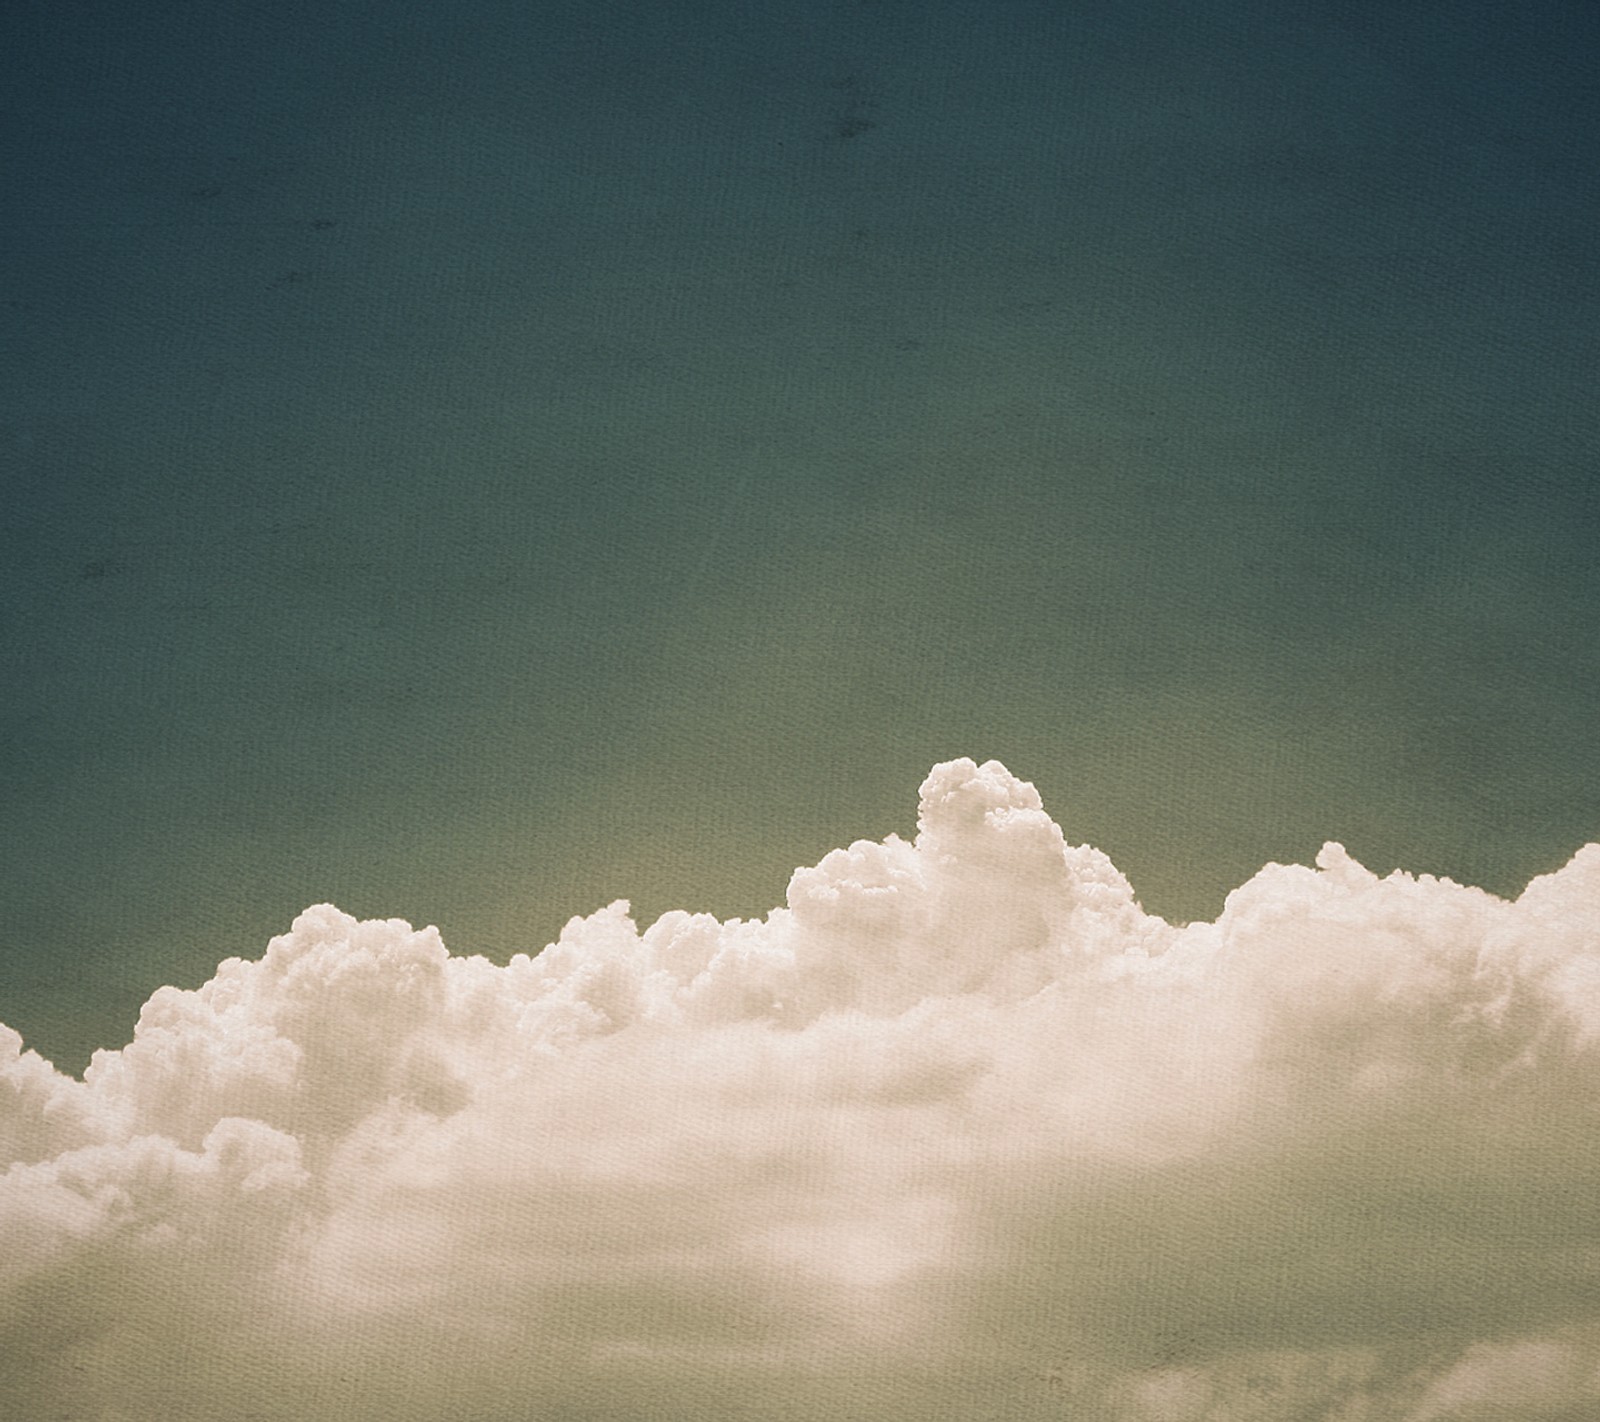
x=474 y=462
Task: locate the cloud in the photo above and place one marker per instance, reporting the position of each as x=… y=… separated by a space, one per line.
x=959 y=1132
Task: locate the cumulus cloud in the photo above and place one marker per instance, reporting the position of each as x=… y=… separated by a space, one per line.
x=959 y=1132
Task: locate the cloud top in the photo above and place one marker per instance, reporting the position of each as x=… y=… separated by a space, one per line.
x=959 y=1131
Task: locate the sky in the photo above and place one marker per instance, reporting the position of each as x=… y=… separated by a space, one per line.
x=474 y=465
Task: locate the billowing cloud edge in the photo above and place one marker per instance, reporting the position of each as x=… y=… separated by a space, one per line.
x=960 y=1130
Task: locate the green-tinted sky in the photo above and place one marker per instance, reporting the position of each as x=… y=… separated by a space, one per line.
x=474 y=462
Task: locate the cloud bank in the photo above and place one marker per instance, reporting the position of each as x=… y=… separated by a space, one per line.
x=961 y=1132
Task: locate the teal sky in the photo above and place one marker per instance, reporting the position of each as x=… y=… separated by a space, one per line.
x=471 y=463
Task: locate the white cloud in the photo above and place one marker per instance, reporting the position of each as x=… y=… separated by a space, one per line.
x=959 y=1132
